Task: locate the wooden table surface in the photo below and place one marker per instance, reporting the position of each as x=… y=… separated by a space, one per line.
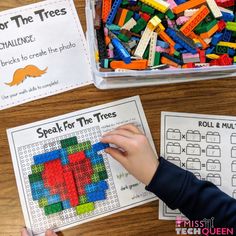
x=206 y=97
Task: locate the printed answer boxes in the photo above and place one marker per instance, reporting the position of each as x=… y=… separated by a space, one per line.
x=193 y=164
x=233 y=138
x=193 y=150
x=213 y=151
x=193 y=136
x=173 y=134
x=234 y=194
x=173 y=148
x=214 y=178
x=174 y=160
x=212 y=137
x=233 y=166
x=234 y=180
x=213 y=165
x=233 y=152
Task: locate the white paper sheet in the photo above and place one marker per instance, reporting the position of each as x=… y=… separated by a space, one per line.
x=124 y=190
x=42 y=52
x=202 y=144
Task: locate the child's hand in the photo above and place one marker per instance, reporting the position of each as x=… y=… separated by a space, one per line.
x=24 y=232
x=137 y=155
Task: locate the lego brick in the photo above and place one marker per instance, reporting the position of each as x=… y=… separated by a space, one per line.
x=140 y=25
x=78 y=147
x=76 y=157
x=214 y=8
x=64 y=157
x=52 y=209
x=69 y=142
x=83 y=199
x=37 y=168
x=134 y=65
x=187 y=5
x=43 y=202
x=85 y=208
x=100 y=146
x=189 y=26
x=102 y=175
x=114 y=9
x=99 y=167
x=96 y=196
x=66 y=204
x=152 y=49
x=106 y=8
x=53 y=199
x=159 y=5
x=35 y=177
x=45 y=157
x=96 y=159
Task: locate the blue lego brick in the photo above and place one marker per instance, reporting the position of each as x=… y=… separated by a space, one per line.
x=227 y=35
x=96 y=187
x=64 y=156
x=45 y=157
x=100 y=146
x=216 y=38
x=37 y=185
x=181 y=39
x=121 y=51
x=210 y=50
x=231 y=52
x=178 y=2
x=66 y=204
x=96 y=196
x=39 y=193
x=178 y=47
x=136 y=16
x=162 y=44
x=90 y=153
x=96 y=159
x=114 y=9
x=53 y=199
x=227 y=16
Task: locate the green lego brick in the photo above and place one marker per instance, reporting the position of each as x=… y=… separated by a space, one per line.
x=35 y=177
x=79 y=147
x=83 y=199
x=95 y=177
x=125 y=3
x=37 y=168
x=54 y=208
x=123 y=38
x=85 y=208
x=147 y=9
x=231 y=26
x=170 y=14
x=68 y=142
x=234 y=59
x=103 y=175
x=221 y=49
x=160 y=15
x=99 y=167
x=43 y=202
x=141 y=24
x=157 y=59
x=146 y=53
x=205 y=27
x=129 y=16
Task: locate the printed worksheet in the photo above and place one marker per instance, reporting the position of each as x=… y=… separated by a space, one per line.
x=63 y=175
x=42 y=52
x=202 y=144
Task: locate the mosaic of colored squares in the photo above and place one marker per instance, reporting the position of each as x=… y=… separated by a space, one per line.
x=71 y=177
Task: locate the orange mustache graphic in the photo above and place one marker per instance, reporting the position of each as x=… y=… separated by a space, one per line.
x=29 y=71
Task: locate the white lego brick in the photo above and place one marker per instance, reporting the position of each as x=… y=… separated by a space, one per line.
x=152 y=49
x=214 y=8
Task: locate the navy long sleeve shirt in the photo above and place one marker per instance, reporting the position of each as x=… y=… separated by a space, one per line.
x=196 y=199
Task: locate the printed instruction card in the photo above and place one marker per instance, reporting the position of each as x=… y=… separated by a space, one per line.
x=202 y=144
x=42 y=52
x=56 y=143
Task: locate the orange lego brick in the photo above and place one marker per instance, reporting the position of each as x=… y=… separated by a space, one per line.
x=210 y=32
x=187 y=5
x=106 y=8
x=195 y=36
x=107 y=40
x=134 y=65
x=167 y=61
x=166 y=38
x=199 y=16
x=123 y=15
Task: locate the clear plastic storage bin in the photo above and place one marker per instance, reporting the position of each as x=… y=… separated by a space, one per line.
x=108 y=80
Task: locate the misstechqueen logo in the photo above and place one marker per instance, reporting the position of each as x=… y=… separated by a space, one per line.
x=199 y=227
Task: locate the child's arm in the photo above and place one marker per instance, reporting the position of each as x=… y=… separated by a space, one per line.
x=178 y=188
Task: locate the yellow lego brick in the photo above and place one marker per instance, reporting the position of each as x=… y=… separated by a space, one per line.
x=153 y=23
x=212 y=56
x=160 y=28
x=159 y=5
x=227 y=44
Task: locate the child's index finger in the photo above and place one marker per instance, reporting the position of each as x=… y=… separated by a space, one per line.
x=118 y=140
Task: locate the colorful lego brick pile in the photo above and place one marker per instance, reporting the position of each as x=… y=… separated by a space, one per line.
x=157 y=34
x=73 y=176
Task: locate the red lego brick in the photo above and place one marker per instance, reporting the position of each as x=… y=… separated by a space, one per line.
x=76 y=157
x=145 y=16
x=225 y=60
x=214 y=63
x=202 y=55
x=71 y=188
x=190 y=65
x=221 y=25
